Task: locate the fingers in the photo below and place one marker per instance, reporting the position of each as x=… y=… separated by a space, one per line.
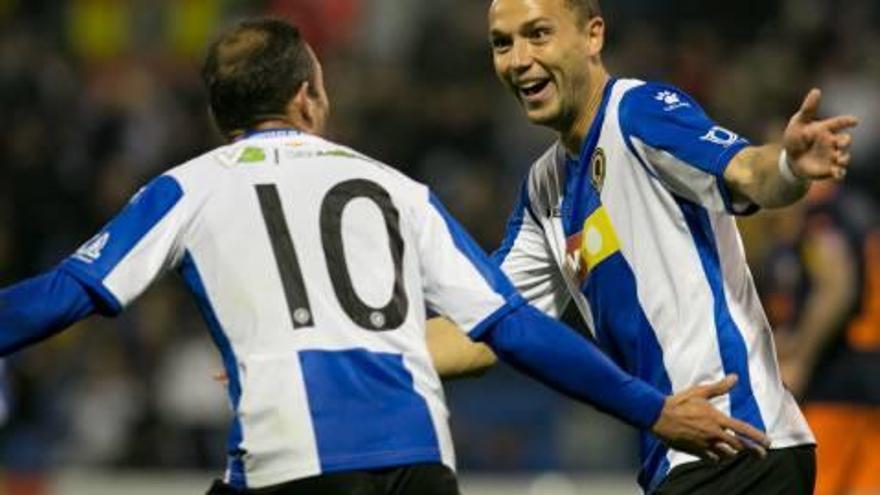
x=720 y=387
x=810 y=106
x=745 y=431
x=837 y=124
x=725 y=451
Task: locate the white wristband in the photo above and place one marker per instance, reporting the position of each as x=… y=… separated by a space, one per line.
x=785 y=169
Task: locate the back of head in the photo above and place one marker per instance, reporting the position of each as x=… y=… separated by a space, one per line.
x=252 y=72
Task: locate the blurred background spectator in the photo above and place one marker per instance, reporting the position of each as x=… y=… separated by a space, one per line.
x=100 y=95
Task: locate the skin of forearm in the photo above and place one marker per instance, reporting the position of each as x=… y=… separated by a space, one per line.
x=754 y=175
x=454 y=354
x=833 y=276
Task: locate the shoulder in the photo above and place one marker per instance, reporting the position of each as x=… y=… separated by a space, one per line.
x=198 y=176
x=640 y=99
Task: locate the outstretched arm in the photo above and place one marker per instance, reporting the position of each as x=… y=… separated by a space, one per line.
x=776 y=175
x=454 y=354
x=40 y=307
x=565 y=361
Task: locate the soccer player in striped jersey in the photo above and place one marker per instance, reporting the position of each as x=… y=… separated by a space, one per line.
x=630 y=215
x=313 y=266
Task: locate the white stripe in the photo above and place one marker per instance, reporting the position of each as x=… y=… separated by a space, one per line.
x=779 y=411
x=427 y=384
x=276 y=424
x=673 y=293
x=533 y=271
x=686 y=180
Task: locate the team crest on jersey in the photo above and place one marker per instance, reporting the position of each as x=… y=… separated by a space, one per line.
x=91 y=251
x=598 y=167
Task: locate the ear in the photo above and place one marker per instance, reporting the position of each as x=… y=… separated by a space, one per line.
x=302 y=107
x=595 y=32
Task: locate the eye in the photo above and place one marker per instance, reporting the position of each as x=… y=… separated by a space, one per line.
x=540 y=34
x=500 y=44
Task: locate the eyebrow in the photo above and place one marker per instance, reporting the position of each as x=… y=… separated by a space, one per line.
x=495 y=32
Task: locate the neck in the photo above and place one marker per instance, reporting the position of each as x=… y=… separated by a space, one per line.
x=277 y=124
x=573 y=137
x=266 y=125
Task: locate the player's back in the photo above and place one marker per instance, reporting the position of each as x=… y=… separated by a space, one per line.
x=312 y=266
x=298 y=253
x=293 y=233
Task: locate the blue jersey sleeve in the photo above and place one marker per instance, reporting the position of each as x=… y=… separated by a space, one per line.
x=459 y=279
x=565 y=361
x=681 y=146
x=38 y=308
x=127 y=254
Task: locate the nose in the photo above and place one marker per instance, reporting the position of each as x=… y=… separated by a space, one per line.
x=521 y=56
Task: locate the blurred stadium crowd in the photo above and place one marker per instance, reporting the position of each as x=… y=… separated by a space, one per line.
x=97 y=96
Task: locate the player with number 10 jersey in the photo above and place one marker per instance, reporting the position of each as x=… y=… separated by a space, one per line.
x=326 y=373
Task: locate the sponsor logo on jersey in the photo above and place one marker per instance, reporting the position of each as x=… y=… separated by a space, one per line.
x=595 y=243
x=672 y=100
x=252 y=154
x=238 y=154
x=91 y=250
x=721 y=136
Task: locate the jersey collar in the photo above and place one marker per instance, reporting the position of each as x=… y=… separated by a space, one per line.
x=270 y=133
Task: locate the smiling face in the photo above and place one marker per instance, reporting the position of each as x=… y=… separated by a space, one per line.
x=545 y=54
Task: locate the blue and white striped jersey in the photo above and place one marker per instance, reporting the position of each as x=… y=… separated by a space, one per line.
x=313 y=266
x=639 y=232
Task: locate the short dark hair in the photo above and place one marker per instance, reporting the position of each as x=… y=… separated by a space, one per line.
x=252 y=72
x=585 y=9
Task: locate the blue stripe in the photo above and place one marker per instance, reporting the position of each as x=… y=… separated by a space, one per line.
x=514 y=224
x=580 y=197
x=734 y=354
x=190 y=273
x=475 y=254
x=678 y=132
x=624 y=332
x=512 y=304
x=365 y=411
x=145 y=210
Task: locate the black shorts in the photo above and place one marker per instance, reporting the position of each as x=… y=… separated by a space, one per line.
x=784 y=472
x=416 y=479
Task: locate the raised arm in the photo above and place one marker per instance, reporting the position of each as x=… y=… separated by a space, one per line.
x=777 y=175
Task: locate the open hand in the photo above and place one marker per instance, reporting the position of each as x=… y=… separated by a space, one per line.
x=818 y=149
x=689 y=423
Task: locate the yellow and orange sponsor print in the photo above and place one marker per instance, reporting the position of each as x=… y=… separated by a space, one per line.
x=596 y=242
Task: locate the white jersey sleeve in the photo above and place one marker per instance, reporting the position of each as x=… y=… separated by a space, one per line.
x=460 y=280
x=525 y=257
x=143 y=241
x=681 y=146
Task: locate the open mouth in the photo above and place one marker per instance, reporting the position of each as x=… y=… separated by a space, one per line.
x=533 y=90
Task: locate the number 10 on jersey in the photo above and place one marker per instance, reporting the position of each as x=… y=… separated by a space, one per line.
x=389 y=317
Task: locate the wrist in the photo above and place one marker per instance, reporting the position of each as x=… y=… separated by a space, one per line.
x=787 y=171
